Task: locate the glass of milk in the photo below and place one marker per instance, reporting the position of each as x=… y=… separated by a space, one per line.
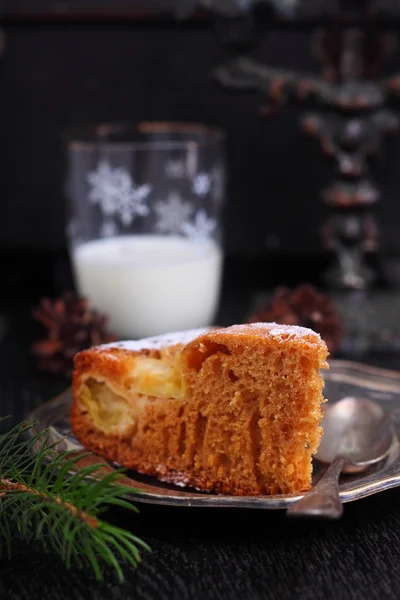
x=144 y=226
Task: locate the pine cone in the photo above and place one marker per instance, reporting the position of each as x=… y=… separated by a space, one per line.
x=307 y=307
x=72 y=326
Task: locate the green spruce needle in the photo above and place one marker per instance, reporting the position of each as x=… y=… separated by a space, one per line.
x=59 y=504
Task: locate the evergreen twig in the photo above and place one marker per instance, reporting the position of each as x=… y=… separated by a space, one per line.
x=59 y=505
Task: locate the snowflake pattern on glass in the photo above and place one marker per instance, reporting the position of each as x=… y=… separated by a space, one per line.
x=175 y=169
x=202 y=227
x=202 y=184
x=108 y=229
x=116 y=193
x=171 y=213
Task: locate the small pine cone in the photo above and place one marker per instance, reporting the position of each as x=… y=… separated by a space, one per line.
x=304 y=306
x=71 y=326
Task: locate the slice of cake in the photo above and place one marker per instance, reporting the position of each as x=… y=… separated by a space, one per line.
x=234 y=410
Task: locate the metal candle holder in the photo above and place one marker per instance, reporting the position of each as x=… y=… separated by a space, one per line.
x=351 y=118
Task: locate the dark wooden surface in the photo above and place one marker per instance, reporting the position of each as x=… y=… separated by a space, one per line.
x=206 y=553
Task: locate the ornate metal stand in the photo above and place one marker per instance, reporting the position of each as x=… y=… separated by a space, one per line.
x=351 y=118
x=350 y=125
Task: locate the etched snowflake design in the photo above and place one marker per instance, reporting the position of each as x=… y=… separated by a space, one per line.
x=175 y=169
x=108 y=229
x=132 y=204
x=171 y=213
x=201 y=228
x=116 y=193
x=202 y=184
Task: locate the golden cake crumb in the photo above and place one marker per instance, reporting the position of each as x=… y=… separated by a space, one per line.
x=234 y=410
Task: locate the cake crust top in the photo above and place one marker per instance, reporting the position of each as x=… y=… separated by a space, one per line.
x=171 y=342
x=157 y=342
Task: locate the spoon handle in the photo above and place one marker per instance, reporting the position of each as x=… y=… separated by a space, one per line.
x=323 y=500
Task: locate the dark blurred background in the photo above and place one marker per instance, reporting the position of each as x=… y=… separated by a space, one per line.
x=65 y=64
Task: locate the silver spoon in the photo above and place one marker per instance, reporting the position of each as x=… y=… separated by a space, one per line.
x=357 y=434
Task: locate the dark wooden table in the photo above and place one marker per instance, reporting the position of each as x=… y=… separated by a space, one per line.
x=207 y=553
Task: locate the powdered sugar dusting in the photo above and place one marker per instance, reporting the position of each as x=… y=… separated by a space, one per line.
x=276 y=330
x=178 y=478
x=293 y=331
x=159 y=341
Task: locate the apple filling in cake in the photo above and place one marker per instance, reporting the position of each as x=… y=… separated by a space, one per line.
x=233 y=410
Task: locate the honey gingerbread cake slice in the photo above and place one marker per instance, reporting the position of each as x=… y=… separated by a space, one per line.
x=234 y=410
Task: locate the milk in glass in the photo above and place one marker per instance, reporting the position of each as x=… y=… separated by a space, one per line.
x=150 y=284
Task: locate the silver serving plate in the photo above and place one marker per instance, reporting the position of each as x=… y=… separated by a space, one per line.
x=343 y=379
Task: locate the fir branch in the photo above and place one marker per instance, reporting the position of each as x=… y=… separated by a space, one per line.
x=59 y=505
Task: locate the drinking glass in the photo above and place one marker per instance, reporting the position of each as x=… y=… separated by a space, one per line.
x=144 y=224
